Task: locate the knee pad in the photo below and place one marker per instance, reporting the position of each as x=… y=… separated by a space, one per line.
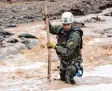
x=71 y=70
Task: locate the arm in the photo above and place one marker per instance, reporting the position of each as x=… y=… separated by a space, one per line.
x=55 y=29
x=72 y=43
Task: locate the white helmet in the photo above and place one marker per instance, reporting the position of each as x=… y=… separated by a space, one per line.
x=67 y=17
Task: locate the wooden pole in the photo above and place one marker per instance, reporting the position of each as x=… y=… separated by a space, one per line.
x=48 y=40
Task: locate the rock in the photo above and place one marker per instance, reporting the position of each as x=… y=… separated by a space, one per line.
x=108 y=14
x=0 y=23
x=20 y=46
x=11 y=25
x=106 y=32
x=27 y=43
x=79 y=24
x=29 y=17
x=6 y=44
x=7 y=51
x=33 y=43
x=1 y=29
x=1 y=35
x=95 y=19
x=12 y=40
x=7 y=34
x=30 y=43
x=11 y=49
x=26 y=35
x=32 y=11
x=109 y=35
x=4 y=33
x=13 y=46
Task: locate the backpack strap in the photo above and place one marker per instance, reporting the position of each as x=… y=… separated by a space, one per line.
x=76 y=28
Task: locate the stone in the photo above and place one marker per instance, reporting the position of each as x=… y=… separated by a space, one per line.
x=11 y=25
x=26 y=35
x=12 y=40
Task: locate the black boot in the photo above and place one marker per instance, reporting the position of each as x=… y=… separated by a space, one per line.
x=62 y=75
x=69 y=80
x=72 y=80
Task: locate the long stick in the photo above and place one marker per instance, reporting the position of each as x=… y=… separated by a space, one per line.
x=48 y=40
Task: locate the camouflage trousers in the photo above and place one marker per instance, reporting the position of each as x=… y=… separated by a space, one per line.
x=69 y=69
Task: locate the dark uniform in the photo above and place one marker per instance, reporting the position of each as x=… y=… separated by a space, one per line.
x=68 y=51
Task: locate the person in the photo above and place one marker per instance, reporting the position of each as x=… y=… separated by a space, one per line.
x=68 y=47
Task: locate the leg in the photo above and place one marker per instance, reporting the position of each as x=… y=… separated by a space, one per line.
x=62 y=70
x=62 y=75
x=70 y=73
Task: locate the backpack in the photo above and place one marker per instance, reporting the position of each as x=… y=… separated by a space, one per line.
x=76 y=28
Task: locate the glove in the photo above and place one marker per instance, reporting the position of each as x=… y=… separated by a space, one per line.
x=51 y=45
x=44 y=17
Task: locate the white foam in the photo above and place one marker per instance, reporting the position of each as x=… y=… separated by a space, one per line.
x=102 y=71
x=36 y=65
x=101 y=87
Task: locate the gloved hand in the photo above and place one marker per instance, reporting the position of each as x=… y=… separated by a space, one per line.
x=51 y=45
x=44 y=17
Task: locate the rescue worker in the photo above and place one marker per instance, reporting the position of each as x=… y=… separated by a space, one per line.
x=68 y=47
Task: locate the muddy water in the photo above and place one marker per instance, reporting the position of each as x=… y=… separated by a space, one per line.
x=98 y=79
x=27 y=71
x=32 y=28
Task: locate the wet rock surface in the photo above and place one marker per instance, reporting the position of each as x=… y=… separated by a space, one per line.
x=105 y=32
x=11 y=44
x=27 y=36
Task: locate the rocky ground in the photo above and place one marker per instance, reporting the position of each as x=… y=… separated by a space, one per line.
x=11 y=43
x=27 y=70
x=24 y=12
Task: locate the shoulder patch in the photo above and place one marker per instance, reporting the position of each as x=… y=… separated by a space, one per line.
x=70 y=43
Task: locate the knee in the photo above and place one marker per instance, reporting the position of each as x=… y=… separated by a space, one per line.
x=71 y=71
